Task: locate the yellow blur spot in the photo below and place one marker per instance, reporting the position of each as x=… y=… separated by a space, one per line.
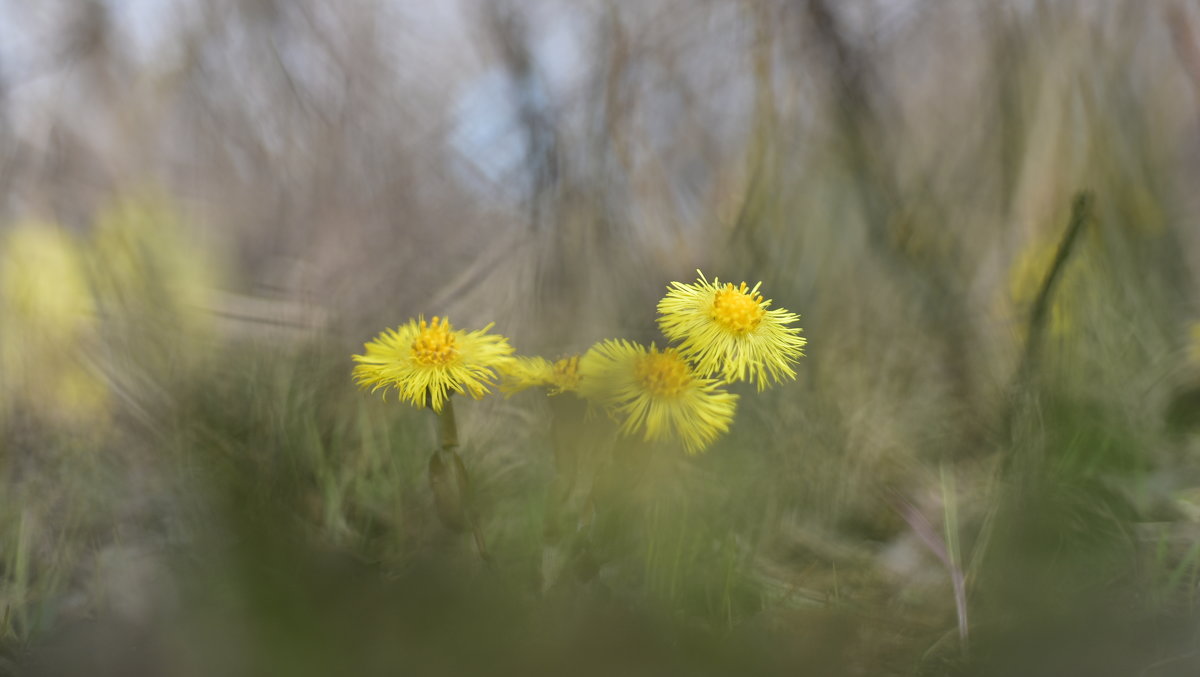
x=47 y=322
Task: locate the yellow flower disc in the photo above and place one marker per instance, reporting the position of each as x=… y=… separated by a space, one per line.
x=663 y=374
x=434 y=345
x=565 y=375
x=737 y=309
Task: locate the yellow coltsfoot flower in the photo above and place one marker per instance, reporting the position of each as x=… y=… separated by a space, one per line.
x=657 y=393
x=523 y=373
x=564 y=375
x=48 y=322
x=426 y=361
x=1194 y=345
x=729 y=331
x=43 y=283
x=557 y=377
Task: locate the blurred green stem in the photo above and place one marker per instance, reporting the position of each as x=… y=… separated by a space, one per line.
x=448 y=428
x=566 y=414
x=1081 y=210
x=564 y=531
x=449 y=482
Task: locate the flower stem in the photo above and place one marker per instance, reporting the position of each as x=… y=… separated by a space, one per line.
x=1081 y=210
x=447 y=428
x=450 y=484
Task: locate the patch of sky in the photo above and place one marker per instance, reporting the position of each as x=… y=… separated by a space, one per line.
x=500 y=139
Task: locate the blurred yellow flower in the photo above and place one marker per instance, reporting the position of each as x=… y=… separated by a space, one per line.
x=47 y=318
x=425 y=361
x=1194 y=344
x=523 y=373
x=565 y=377
x=146 y=260
x=42 y=283
x=531 y=372
x=657 y=393
x=80 y=397
x=729 y=332
x=1026 y=278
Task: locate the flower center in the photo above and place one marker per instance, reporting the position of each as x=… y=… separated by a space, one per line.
x=663 y=374
x=566 y=373
x=435 y=344
x=737 y=309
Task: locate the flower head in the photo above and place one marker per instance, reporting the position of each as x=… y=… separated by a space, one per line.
x=425 y=361
x=47 y=324
x=729 y=331
x=43 y=283
x=656 y=392
x=531 y=372
x=523 y=373
x=564 y=375
x=145 y=261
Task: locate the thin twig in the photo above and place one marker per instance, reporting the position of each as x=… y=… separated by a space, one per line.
x=944 y=551
x=1080 y=212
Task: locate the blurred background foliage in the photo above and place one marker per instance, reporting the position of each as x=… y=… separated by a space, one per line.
x=985 y=213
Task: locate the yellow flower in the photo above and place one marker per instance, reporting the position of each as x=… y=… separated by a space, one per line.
x=564 y=375
x=1028 y=275
x=656 y=392
x=43 y=286
x=531 y=372
x=144 y=260
x=729 y=332
x=425 y=361
x=523 y=373
x=1194 y=345
x=47 y=325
